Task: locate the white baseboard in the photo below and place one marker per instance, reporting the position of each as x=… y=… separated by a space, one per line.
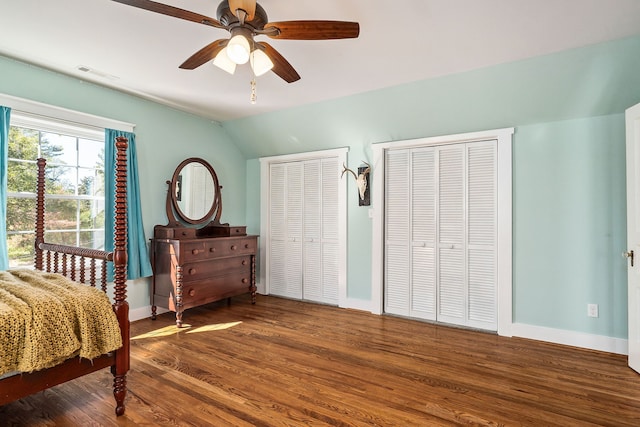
x=357 y=304
x=572 y=338
x=143 y=313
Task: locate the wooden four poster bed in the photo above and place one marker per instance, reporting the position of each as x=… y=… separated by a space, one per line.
x=56 y=261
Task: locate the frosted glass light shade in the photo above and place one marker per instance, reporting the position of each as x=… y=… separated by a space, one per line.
x=260 y=62
x=238 y=49
x=223 y=62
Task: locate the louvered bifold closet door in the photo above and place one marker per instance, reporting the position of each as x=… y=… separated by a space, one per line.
x=330 y=169
x=321 y=266
x=397 y=271
x=451 y=235
x=286 y=222
x=482 y=234
x=312 y=279
x=278 y=229
x=295 y=203
x=423 y=234
x=467 y=232
x=441 y=233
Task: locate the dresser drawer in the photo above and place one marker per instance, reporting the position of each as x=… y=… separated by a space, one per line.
x=215 y=289
x=191 y=249
x=230 y=247
x=193 y=271
x=216 y=248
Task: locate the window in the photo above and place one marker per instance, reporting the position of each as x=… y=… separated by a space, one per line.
x=74 y=185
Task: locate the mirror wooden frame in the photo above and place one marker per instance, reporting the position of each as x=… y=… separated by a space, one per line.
x=175 y=214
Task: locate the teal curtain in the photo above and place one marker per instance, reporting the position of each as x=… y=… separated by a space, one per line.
x=5 y=114
x=138 y=264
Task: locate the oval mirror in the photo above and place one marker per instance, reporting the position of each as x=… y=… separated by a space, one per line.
x=194 y=191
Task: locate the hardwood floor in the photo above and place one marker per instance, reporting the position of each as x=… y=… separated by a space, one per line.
x=288 y=363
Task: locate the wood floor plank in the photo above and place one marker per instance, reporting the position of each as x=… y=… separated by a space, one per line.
x=289 y=363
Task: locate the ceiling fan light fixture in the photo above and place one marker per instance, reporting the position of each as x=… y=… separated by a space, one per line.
x=238 y=49
x=223 y=62
x=245 y=19
x=260 y=62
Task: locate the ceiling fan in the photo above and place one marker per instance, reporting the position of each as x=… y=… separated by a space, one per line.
x=245 y=19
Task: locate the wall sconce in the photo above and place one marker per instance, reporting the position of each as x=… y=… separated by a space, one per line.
x=362 y=181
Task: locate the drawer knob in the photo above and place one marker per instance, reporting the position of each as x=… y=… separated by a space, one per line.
x=195 y=252
x=237 y=231
x=192 y=292
x=245 y=280
x=244 y=262
x=212 y=249
x=246 y=246
x=192 y=271
x=234 y=247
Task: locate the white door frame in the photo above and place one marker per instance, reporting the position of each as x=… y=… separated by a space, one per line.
x=632 y=119
x=504 y=165
x=265 y=162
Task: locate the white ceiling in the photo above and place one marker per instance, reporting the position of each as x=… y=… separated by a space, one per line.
x=400 y=41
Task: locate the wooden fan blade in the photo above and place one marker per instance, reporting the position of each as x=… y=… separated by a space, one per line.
x=248 y=6
x=205 y=54
x=165 y=9
x=314 y=30
x=281 y=66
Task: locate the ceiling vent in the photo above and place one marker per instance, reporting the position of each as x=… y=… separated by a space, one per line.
x=101 y=74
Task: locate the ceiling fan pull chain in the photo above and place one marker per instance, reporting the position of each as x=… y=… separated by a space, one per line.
x=254 y=98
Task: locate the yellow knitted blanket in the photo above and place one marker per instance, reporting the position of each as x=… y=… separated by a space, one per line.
x=46 y=318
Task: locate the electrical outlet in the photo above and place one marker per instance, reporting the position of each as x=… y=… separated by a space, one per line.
x=592 y=310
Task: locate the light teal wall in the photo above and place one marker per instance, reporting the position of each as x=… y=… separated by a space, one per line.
x=569 y=207
x=253 y=196
x=569 y=204
x=164 y=137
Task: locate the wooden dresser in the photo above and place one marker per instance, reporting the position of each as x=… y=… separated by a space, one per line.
x=196 y=259
x=195 y=271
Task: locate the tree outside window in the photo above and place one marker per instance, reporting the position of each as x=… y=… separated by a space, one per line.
x=74 y=183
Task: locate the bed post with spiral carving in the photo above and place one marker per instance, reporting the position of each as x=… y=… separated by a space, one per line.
x=40 y=183
x=121 y=306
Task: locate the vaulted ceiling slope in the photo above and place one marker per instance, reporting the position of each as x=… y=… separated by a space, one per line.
x=139 y=52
